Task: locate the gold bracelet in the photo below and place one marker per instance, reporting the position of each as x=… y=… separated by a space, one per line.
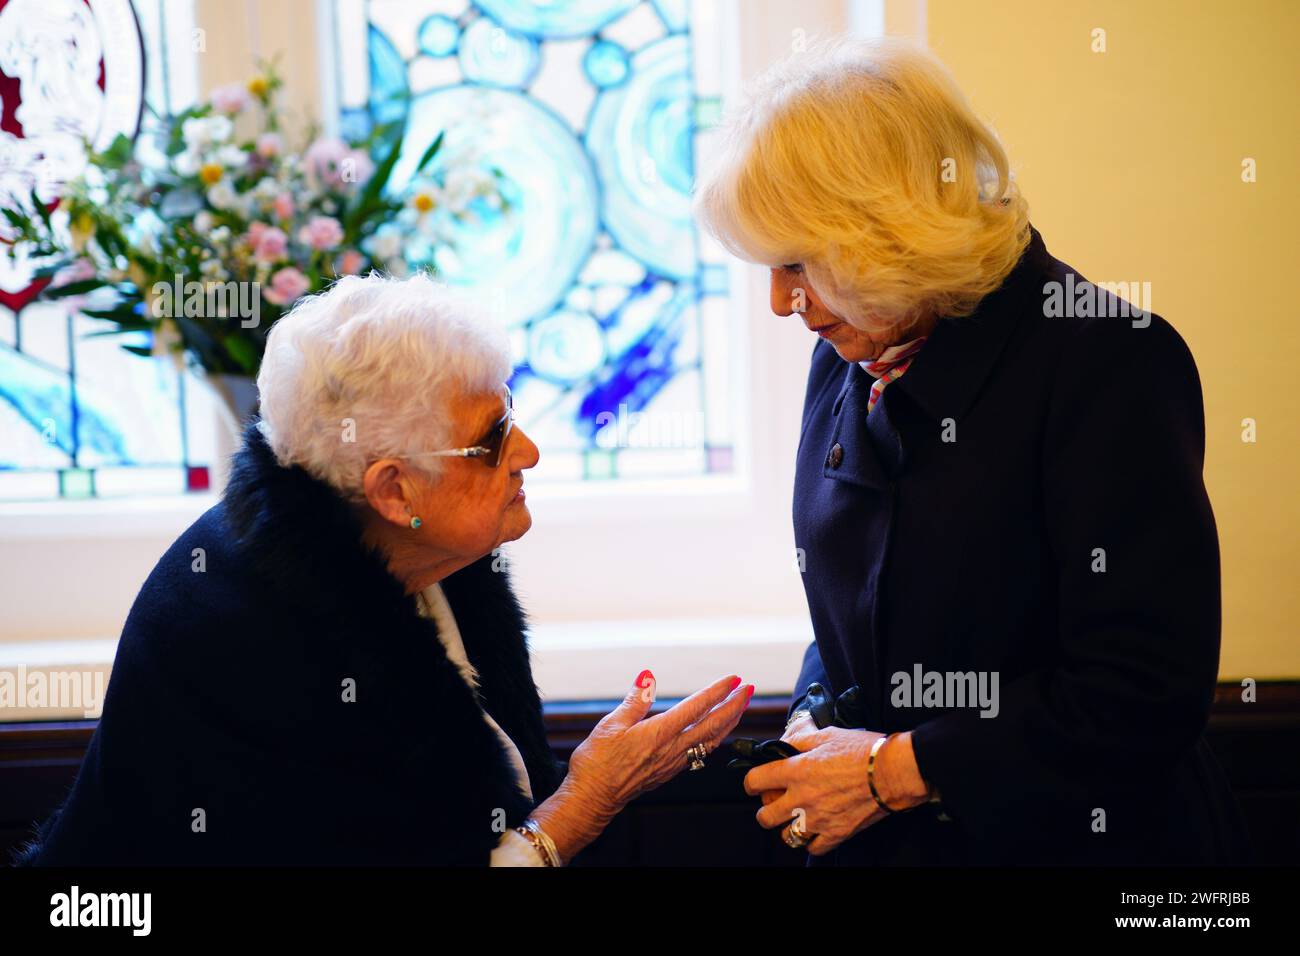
x=540 y=842
x=871 y=773
x=795 y=716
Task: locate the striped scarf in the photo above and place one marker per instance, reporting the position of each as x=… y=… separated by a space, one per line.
x=891 y=364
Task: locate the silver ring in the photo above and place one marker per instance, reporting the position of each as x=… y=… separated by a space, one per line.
x=696 y=755
x=793 y=840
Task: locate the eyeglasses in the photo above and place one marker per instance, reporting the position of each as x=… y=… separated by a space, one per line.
x=489 y=448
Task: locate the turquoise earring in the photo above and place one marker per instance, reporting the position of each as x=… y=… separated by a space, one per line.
x=415 y=522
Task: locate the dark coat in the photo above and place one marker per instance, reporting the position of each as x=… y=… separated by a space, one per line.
x=978 y=554
x=227 y=695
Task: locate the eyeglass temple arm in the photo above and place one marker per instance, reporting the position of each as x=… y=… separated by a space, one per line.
x=471 y=452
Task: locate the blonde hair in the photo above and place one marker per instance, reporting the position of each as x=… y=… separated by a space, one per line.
x=863 y=160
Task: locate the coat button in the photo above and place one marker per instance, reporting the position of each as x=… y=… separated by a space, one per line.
x=836 y=456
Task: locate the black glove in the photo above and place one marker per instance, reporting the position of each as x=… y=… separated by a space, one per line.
x=750 y=752
x=845 y=711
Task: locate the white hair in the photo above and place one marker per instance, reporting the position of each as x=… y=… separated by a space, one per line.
x=371 y=368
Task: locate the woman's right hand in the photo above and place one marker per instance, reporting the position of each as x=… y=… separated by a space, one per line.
x=796 y=728
x=628 y=754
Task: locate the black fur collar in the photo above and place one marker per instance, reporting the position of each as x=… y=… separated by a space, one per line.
x=303 y=541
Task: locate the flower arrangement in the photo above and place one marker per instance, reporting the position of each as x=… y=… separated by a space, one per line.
x=204 y=238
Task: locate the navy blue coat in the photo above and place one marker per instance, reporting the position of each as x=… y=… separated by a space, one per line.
x=227 y=696
x=963 y=526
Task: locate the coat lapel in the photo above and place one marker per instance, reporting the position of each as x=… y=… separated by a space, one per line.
x=959 y=354
x=857 y=460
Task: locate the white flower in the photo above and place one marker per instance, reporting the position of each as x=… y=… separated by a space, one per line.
x=220 y=129
x=462 y=186
x=213 y=269
x=232 y=157
x=203 y=221
x=385 y=244
x=223 y=196
x=195 y=133
x=266 y=190
x=220 y=234
x=203 y=132
x=187 y=163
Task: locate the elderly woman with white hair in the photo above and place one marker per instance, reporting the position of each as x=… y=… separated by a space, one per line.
x=329 y=666
x=1011 y=562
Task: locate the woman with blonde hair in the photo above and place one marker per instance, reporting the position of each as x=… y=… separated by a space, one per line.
x=1011 y=561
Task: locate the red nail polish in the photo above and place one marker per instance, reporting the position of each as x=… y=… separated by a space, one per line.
x=644 y=678
x=735 y=682
x=749 y=694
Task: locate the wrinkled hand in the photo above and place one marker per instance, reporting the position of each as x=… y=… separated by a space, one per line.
x=628 y=754
x=797 y=728
x=825 y=786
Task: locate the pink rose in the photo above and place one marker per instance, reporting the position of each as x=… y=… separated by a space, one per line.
x=356 y=167
x=287 y=285
x=229 y=99
x=269 y=145
x=269 y=244
x=324 y=159
x=334 y=164
x=350 y=263
x=284 y=207
x=321 y=232
x=78 y=270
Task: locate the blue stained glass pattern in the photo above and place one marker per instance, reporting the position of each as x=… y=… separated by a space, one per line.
x=525 y=260
x=543 y=18
x=494 y=55
x=675 y=13
x=42 y=397
x=439 y=35
x=640 y=139
x=593 y=261
x=606 y=63
x=81 y=417
x=388 y=86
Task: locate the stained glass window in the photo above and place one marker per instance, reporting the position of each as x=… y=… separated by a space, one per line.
x=79 y=415
x=588 y=113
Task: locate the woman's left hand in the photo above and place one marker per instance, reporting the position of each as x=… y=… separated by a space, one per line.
x=826 y=784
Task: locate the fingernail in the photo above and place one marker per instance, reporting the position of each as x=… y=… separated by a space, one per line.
x=735 y=682
x=749 y=693
x=641 y=678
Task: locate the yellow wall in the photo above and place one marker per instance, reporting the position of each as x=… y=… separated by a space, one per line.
x=1131 y=162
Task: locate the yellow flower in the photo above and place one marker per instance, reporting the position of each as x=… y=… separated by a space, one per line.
x=211 y=173
x=259 y=86
x=422 y=202
x=82 y=228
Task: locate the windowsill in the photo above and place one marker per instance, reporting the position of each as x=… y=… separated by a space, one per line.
x=572 y=661
x=591 y=660
x=102 y=517
x=564 y=501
